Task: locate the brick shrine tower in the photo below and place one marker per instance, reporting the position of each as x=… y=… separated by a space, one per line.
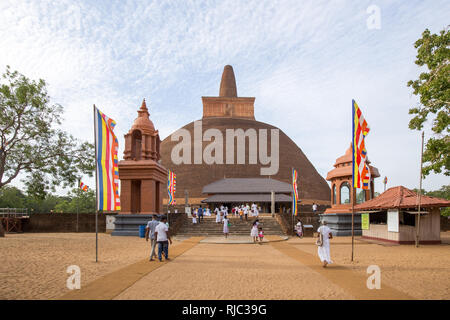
x=343 y=194
x=142 y=178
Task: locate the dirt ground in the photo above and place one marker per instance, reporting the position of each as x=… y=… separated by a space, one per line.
x=33 y=266
x=423 y=272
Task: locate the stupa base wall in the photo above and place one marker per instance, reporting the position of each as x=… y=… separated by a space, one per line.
x=341 y=223
x=128 y=224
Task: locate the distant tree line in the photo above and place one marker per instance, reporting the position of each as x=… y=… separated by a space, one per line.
x=76 y=200
x=443 y=192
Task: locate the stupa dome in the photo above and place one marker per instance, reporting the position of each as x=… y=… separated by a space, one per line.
x=231 y=112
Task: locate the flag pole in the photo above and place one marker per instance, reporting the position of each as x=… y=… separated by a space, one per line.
x=420 y=194
x=293 y=202
x=78 y=195
x=353 y=176
x=96 y=188
x=353 y=218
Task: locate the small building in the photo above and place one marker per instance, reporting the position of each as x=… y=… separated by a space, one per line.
x=339 y=216
x=142 y=177
x=393 y=217
x=237 y=191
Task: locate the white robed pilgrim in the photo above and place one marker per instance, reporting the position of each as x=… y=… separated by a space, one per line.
x=255 y=212
x=324 y=250
x=217 y=212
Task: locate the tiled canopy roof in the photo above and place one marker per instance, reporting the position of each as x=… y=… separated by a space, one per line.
x=401 y=197
x=247 y=185
x=247 y=197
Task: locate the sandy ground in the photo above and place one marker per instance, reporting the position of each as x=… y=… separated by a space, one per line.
x=241 y=271
x=423 y=273
x=33 y=266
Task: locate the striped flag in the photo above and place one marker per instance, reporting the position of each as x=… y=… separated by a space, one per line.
x=361 y=172
x=295 y=192
x=107 y=163
x=83 y=186
x=171 y=187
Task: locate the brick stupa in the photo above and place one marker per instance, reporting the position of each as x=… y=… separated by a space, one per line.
x=230 y=111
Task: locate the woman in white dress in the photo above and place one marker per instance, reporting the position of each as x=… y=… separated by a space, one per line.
x=217 y=212
x=323 y=250
x=225 y=227
x=254 y=231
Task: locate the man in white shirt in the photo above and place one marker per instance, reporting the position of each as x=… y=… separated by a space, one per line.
x=150 y=231
x=246 y=210
x=314 y=207
x=163 y=238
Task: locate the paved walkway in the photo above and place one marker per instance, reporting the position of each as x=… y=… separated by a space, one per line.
x=111 y=285
x=237 y=239
x=201 y=270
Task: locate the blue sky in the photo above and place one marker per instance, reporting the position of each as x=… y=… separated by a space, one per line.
x=304 y=61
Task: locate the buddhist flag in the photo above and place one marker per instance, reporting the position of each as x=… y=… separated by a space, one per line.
x=83 y=186
x=171 y=187
x=295 y=192
x=107 y=162
x=361 y=172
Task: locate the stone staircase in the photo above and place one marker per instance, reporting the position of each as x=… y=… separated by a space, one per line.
x=209 y=227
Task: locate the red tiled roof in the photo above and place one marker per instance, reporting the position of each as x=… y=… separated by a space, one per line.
x=401 y=197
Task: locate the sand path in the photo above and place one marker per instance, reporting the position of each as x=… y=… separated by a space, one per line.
x=277 y=270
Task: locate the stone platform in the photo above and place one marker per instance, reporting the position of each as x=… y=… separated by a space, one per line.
x=341 y=223
x=128 y=224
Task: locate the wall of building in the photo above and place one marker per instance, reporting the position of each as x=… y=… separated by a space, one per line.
x=429 y=230
x=64 y=222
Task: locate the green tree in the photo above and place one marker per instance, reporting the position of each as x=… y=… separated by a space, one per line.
x=30 y=141
x=443 y=193
x=78 y=201
x=12 y=197
x=433 y=88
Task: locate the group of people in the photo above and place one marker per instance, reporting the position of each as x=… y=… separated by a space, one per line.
x=257 y=232
x=158 y=232
x=198 y=213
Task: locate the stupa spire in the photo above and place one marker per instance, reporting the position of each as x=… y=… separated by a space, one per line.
x=228 y=83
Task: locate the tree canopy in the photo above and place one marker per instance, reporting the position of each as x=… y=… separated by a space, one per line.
x=433 y=88
x=31 y=142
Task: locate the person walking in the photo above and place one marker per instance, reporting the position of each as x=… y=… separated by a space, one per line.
x=260 y=234
x=226 y=231
x=246 y=209
x=150 y=232
x=255 y=212
x=323 y=244
x=200 y=214
x=217 y=213
x=299 y=229
x=314 y=207
x=254 y=231
x=162 y=235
